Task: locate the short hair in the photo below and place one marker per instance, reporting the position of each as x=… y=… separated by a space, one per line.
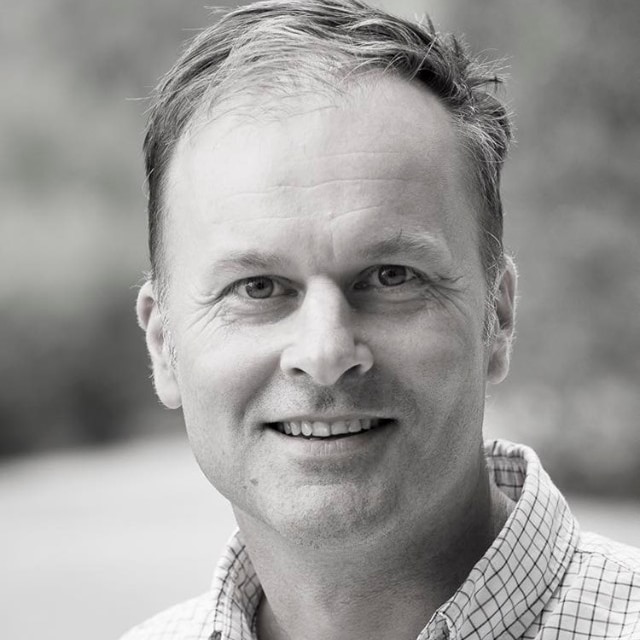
x=277 y=46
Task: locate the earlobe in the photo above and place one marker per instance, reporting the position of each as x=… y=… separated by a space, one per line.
x=150 y=321
x=505 y=308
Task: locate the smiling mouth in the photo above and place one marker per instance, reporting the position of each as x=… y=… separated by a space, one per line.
x=321 y=430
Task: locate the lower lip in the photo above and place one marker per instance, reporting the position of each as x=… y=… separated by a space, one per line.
x=332 y=447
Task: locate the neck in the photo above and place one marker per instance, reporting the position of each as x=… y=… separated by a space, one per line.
x=386 y=588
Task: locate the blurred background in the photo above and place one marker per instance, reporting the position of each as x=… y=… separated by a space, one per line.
x=105 y=516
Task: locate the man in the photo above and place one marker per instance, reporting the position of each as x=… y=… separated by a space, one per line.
x=329 y=298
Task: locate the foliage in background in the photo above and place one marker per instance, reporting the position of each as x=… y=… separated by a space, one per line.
x=571 y=192
x=73 y=238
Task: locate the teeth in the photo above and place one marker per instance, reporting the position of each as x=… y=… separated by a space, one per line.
x=355 y=426
x=338 y=428
x=321 y=429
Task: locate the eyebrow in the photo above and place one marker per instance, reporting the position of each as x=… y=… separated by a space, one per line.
x=239 y=261
x=407 y=244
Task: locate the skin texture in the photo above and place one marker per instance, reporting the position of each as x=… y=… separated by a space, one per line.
x=367 y=534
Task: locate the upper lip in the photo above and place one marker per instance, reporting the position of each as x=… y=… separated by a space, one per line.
x=335 y=418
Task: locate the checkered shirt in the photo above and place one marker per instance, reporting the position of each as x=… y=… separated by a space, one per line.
x=541 y=579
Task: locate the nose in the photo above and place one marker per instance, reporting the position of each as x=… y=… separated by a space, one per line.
x=324 y=346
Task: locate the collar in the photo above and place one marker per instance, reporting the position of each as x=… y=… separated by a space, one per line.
x=236 y=593
x=506 y=589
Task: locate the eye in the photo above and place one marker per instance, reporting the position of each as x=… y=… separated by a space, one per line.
x=392 y=275
x=388 y=275
x=259 y=288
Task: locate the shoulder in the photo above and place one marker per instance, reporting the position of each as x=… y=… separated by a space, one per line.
x=597 y=551
x=599 y=595
x=190 y=620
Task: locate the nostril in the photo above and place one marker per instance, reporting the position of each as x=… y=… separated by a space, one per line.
x=326 y=361
x=364 y=358
x=357 y=369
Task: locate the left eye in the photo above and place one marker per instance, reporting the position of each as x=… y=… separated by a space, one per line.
x=388 y=275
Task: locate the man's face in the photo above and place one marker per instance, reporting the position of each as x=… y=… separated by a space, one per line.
x=325 y=268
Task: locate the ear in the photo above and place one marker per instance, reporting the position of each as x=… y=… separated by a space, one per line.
x=504 y=318
x=150 y=321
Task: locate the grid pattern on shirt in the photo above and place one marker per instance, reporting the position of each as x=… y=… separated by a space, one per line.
x=541 y=579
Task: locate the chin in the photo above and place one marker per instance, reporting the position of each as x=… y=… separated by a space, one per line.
x=326 y=517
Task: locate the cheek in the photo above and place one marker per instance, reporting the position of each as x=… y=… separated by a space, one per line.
x=219 y=380
x=441 y=361
x=438 y=350
x=220 y=377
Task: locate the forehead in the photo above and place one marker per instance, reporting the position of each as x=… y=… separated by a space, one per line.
x=386 y=149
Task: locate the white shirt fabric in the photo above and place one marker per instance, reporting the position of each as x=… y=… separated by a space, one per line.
x=542 y=578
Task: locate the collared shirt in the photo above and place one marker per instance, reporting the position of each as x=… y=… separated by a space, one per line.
x=542 y=578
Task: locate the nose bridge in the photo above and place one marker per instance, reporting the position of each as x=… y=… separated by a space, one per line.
x=324 y=345
x=325 y=310
x=325 y=333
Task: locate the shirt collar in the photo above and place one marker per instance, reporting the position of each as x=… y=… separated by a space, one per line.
x=504 y=592
x=236 y=593
x=509 y=586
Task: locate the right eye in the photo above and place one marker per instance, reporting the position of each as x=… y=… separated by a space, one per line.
x=259 y=288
